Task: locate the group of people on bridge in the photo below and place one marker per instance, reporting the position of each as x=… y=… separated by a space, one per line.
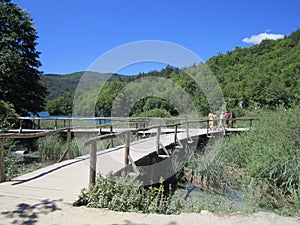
x=224 y=119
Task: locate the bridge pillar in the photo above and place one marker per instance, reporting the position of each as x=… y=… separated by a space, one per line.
x=69 y=143
x=158 y=139
x=127 y=148
x=93 y=162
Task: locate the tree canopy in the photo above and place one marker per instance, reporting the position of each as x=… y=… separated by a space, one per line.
x=265 y=75
x=19 y=75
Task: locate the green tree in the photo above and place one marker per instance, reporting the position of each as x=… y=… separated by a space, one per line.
x=19 y=74
x=107 y=95
x=61 y=105
x=7 y=116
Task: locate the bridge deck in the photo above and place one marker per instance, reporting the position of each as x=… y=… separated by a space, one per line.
x=65 y=180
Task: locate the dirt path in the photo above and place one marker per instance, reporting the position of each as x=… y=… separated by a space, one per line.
x=16 y=210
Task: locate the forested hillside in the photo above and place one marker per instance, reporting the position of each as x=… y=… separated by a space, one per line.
x=263 y=76
x=58 y=85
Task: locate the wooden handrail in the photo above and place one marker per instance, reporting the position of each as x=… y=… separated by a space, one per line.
x=24 y=135
x=111 y=135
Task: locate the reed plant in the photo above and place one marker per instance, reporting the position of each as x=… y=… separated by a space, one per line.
x=51 y=147
x=262 y=165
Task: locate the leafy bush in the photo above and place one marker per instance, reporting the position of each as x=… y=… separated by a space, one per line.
x=8 y=116
x=126 y=194
x=15 y=167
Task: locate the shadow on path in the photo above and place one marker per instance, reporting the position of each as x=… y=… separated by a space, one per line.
x=44 y=173
x=26 y=214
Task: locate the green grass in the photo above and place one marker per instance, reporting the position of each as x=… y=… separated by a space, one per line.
x=261 y=165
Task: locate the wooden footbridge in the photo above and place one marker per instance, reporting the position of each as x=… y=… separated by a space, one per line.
x=141 y=138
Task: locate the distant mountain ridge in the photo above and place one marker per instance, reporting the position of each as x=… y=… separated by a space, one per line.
x=59 y=84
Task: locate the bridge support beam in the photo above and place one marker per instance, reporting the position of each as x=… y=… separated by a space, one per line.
x=158 y=139
x=69 y=142
x=127 y=148
x=93 y=162
x=111 y=140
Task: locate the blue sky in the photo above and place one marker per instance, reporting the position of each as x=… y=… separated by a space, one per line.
x=73 y=33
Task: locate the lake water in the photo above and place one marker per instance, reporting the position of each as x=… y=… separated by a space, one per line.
x=46 y=115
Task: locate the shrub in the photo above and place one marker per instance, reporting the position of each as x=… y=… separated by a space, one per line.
x=8 y=116
x=127 y=194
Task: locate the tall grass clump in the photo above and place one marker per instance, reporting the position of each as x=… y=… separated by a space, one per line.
x=205 y=169
x=255 y=170
x=51 y=147
x=266 y=160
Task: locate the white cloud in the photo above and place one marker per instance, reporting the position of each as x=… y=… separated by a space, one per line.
x=256 y=39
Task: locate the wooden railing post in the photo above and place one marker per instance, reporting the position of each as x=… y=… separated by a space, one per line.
x=127 y=148
x=93 y=162
x=207 y=127
x=158 y=139
x=21 y=126
x=69 y=142
x=2 y=169
x=175 y=136
x=111 y=140
x=55 y=124
x=187 y=129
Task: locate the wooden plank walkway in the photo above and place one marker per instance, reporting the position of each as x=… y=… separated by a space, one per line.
x=63 y=181
x=138 y=150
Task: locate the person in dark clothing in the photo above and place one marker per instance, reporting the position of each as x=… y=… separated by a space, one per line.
x=227 y=117
x=233 y=120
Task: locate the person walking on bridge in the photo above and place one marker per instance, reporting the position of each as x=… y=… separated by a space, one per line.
x=211 y=118
x=227 y=117
x=233 y=120
x=221 y=122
